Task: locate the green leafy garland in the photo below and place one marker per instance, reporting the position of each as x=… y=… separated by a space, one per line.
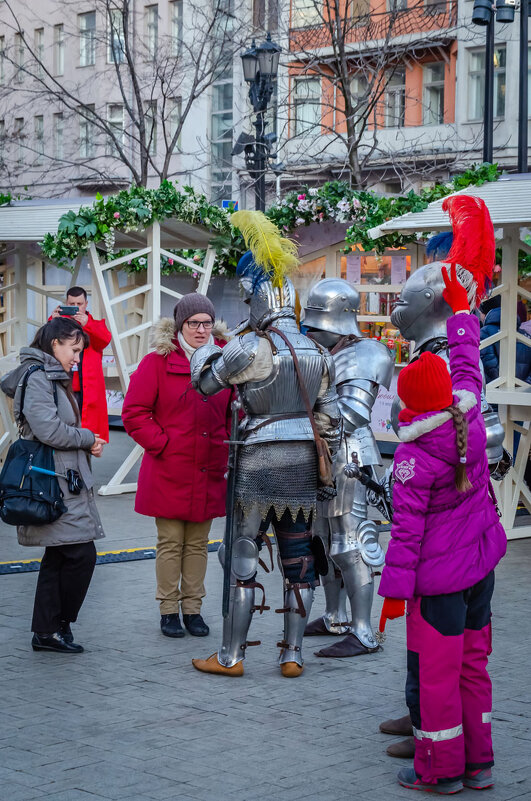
x=132 y=209
x=136 y=208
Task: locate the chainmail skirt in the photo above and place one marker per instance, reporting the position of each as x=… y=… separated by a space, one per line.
x=278 y=475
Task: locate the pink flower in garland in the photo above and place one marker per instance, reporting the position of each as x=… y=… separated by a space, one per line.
x=301 y=197
x=116 y=215
x=170 y=262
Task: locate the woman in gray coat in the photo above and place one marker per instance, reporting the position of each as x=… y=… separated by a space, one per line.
x=70 y=555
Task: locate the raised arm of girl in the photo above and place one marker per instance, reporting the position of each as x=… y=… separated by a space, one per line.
x=463 y=337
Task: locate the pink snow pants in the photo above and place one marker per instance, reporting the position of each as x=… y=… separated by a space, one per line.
x=448 y=689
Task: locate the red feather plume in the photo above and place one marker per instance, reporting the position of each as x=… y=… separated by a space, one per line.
x=473 y=244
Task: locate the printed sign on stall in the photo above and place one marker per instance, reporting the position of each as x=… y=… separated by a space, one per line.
x=354 y=268
x=398 y=268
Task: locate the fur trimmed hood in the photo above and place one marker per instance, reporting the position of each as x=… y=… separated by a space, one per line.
x=408 y=433
x=162 y=336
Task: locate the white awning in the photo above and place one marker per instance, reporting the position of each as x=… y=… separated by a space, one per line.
x=29 y=221
x=508 y=200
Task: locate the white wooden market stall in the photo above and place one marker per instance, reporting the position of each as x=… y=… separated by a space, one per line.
x=509 y=203
x=130 y=309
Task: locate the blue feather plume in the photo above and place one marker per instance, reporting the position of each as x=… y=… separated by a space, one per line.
x=438 y=246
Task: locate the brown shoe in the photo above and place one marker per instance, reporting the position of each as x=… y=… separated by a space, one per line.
x=290 y=670
x=405 y=749
x=400 y=726
x=212 y=665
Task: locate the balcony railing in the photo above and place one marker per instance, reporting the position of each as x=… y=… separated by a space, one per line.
x=395 y=20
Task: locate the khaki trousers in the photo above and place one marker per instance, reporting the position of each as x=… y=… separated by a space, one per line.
x=181 y=562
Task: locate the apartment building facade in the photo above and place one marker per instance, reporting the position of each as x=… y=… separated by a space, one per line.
x=427 y=121
x=92 y=97
x=97 y=94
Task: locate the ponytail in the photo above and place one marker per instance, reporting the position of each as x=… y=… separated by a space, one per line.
x=462 y=483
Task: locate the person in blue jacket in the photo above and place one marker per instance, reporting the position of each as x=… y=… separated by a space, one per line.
x=490 y=356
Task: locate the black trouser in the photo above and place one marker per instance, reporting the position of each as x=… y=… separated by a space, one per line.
x=64 y=578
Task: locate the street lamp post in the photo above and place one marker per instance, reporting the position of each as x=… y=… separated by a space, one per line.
x=260 y=68
x=483 y=14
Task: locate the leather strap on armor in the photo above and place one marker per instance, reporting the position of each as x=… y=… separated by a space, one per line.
x=267 y=542
x=305 y=560
x=323 y=451
x=273 y=419
x=300 y=605
x=257 y=586
x=286 y=646
x=344 y=342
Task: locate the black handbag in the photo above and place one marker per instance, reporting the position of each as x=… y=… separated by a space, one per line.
x=27 y=497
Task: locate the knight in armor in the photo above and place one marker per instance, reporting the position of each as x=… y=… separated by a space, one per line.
x=420 y=314
x=281 y=375
x=350 y=539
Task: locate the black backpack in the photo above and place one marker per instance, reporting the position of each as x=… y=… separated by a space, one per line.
x=29 y=498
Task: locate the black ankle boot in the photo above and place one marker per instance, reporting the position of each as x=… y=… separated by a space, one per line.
x=54 y=642
x=196 y=625
x=170 y=625
x=66 y=632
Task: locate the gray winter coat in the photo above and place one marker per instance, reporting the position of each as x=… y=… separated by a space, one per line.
x=57 y=426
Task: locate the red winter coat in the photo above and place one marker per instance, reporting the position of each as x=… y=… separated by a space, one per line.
x=94 y=399
x=183 y=433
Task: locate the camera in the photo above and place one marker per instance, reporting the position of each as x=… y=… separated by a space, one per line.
x=68 y=311
x=74 y=481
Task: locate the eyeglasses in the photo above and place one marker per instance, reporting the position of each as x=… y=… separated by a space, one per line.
x=194 y=324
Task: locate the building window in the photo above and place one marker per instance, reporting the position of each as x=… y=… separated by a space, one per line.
x=396 y=5
x=266 y=14
x=221 y=125
x=307 y=94
x=115 y=119
x=152 y=30
x=58 y=49
x=432 y=7
x=176 y=22
x=395 y=99
x=150 y=120
x=19 y=57
x=38 y=131
x=433 y=83
x=359 y=90
x=361 y=10
x=115 y=37
x=38 y=46
x=87 y=38
x=476 y=83
x=529 y=81
x=18 y=132
x=305 y=13
x=2 y=58
x=58 y=135
x=174 y=119
x=86 y=132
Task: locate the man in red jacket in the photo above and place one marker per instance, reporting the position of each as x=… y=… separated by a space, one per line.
x=88 y=382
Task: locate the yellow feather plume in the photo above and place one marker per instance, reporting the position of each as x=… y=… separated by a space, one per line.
x=276 y=254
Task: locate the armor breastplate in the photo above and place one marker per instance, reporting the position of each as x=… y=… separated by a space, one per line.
x=280 y=394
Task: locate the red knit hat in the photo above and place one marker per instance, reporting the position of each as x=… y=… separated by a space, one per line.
x=425 y=384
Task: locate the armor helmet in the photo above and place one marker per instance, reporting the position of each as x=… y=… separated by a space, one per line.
x=266 y=302
x=421 y=312
x=331 y=308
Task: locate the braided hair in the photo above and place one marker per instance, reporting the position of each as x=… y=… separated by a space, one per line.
x=462 y=483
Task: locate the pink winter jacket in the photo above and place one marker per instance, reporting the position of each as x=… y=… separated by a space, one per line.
x=442 y=540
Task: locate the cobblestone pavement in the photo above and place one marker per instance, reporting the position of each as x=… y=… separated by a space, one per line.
x=131 y=719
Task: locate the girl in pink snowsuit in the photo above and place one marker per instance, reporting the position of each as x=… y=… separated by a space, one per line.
x=446 y=540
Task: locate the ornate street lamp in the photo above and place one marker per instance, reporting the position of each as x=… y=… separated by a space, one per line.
x=260 y=68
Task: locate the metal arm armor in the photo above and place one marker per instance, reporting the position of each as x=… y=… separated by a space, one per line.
x=203 y=378
x=212 y=367
x=327 y=404
x=366 y=359
x=360 y=370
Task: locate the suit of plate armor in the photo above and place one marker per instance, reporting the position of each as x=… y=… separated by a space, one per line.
x=276 y=475
x=420 y=314
x=350 y=539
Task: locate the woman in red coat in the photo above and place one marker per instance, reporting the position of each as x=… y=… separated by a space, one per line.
x=181 y=482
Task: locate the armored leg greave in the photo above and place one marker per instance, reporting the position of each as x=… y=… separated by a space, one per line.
x=298 y=599
x=236 y=625
x=335 y=617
